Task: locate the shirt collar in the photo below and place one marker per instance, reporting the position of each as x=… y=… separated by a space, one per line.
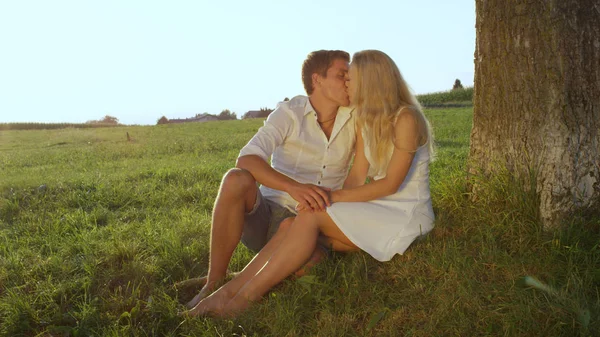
x=308 y=108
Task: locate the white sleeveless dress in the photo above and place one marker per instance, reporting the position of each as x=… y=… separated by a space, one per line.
x=387 y=226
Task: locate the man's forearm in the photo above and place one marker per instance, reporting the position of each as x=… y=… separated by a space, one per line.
x=264 y=173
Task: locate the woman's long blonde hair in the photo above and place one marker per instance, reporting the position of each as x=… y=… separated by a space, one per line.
x=380 y=95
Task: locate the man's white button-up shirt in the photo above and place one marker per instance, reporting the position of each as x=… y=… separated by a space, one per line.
x=292 y=138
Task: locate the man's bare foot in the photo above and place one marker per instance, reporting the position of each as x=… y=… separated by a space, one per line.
x=191 y=285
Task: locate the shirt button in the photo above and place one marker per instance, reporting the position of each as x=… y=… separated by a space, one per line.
x=324 y=166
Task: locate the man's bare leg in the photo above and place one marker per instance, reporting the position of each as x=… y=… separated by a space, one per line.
x=237 y=195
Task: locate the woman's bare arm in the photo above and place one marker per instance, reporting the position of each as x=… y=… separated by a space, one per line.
x=360 y=165
x=406 y=143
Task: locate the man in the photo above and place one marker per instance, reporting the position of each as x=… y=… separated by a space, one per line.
x=310 y=141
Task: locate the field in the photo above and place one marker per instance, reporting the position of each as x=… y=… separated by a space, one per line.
x=95 y=230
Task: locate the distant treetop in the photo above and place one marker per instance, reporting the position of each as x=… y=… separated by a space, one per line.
x=109 y=120
x=457 y=85
x=226 y=114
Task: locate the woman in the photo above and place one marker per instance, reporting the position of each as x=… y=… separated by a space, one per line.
x=383 y=217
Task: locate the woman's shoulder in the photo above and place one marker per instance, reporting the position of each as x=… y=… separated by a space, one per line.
x=407 y=110
x=406 y=116
x=406 y=136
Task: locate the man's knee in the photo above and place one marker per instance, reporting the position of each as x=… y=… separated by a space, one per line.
x=238 y=180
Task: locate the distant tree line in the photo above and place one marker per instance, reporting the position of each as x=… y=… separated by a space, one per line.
x=224 y=115
x=50 y=126
x=203 y=117
x=107 y=121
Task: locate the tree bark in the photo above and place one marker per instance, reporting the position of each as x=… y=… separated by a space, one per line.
x=537 y=99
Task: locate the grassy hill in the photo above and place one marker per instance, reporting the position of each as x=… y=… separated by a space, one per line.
x=96 y=229
x=448 y=99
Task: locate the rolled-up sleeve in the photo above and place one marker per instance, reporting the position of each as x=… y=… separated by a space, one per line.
x=272 y=134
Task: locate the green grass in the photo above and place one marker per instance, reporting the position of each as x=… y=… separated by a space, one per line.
x=95 y=230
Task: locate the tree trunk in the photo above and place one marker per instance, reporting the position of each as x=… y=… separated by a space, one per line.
x=537 y=98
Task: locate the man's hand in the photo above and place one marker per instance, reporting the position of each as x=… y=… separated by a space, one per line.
x=300 y=208
x=310 y=197
x=334 y=196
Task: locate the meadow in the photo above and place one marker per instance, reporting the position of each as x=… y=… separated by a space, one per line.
x=95 y=230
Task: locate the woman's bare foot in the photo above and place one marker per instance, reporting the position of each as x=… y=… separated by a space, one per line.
x=238 y=304
x=202 y=294
x=317 y=256
x=212 y=305
x=206 y=289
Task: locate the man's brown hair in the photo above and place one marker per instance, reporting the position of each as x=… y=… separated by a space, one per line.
x=318 y=62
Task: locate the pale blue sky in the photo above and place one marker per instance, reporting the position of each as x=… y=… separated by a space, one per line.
x=73 y=61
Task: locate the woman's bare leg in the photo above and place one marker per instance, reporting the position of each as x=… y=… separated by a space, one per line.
x=224 y=293
x=293 y=252
x=337 y=245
